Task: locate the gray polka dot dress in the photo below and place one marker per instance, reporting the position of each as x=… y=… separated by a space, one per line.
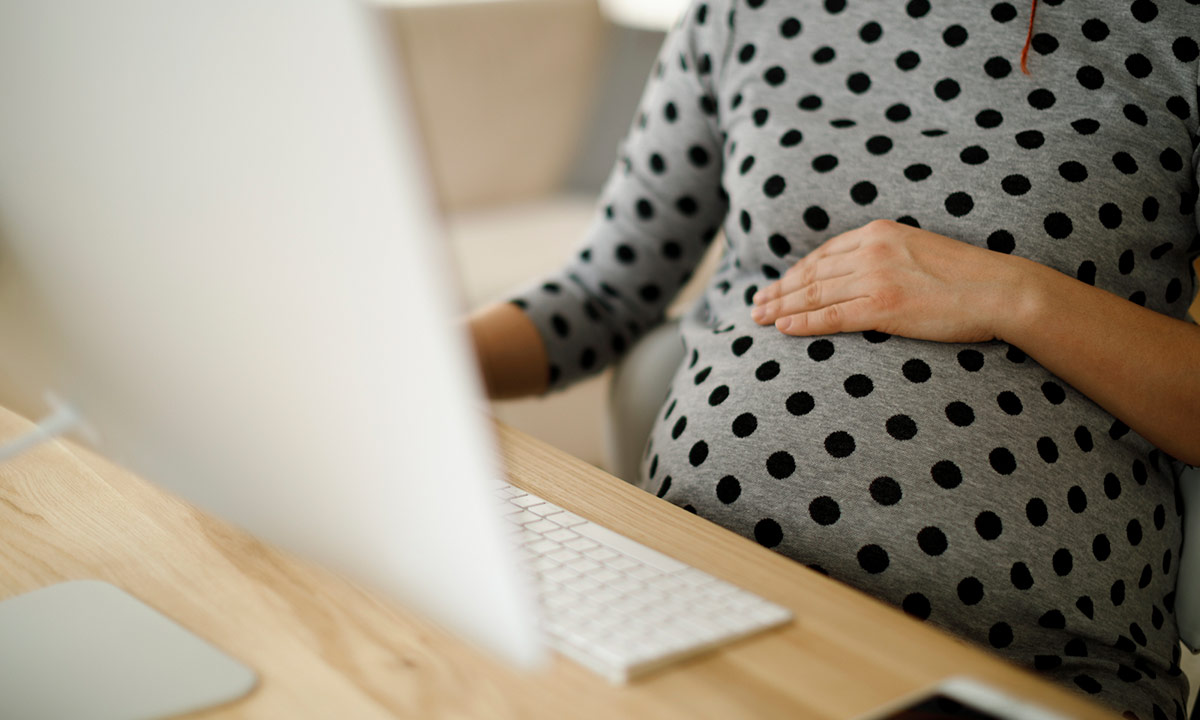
x=963 y=483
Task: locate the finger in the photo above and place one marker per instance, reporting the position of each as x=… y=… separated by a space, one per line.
x=854 y=315
x=807 y=272
x=838 y=245
x=813 y=296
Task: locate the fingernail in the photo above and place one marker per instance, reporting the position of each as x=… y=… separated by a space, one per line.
x=757 y=313
x=783 y=323
x=759 y=297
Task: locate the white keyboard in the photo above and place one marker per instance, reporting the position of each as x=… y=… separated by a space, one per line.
x=618 y=607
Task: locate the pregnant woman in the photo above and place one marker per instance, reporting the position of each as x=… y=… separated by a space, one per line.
x=944 y=359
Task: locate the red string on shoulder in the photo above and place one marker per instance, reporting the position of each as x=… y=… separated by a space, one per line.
x=1028 y=39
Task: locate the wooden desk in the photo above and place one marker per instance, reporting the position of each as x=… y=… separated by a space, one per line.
x=326 y=649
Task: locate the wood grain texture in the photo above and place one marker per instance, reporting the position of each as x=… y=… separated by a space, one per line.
x=326 y=648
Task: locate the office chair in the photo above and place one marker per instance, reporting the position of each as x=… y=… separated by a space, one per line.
x=639 y=385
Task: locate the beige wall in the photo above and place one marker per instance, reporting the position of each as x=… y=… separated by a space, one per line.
x=502 y=93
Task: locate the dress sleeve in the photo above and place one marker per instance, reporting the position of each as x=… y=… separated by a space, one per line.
x=660 y=209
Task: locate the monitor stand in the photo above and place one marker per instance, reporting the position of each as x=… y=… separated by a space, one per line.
x=86 y=648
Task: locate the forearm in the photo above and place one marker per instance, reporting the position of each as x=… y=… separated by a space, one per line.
x=1139 y=365
x=512 y=357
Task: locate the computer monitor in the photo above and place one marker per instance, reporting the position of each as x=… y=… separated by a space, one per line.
x=217 y=246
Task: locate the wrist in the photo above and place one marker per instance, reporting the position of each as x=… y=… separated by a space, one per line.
x=1025 y=291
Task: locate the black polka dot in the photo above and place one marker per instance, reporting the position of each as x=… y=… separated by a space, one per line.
x=908 y=60
x=917 y=172
x=1116 y=593
x=680 y=426
x=816 y=218
x=1054 y=392
x=824 y=510
x=775 y=76
x=1110 y=216
x=954 y=36
x=973 y=155
x=781 y=465
x=1133 y=532
x=665 y=487
x=1041 y=99
x=800 y=403
x=1090 y=77
x=916 y=371
x=728 y=489
x=1083 y=438
x=820 y=350
x=768 y=533
x=946 y=474
x=917 y=605
x=885 y=491
x=1087 y=683
x=698 y=454
x=1124 y=162
x=767 y=371
x=790 y=28
x=1001 y=241
x=1095 y=30
x=1009 y=402
x=774 y=186
x=1030 y=139
x=988 y=525
x=839 y=444
x=932 y=541
x=1047 y=449
x=864 y=193
x=1073 y=171
x=744 y=425
x=1063 y=562
x=970 y=360
x=1015 y=184
x=1058 y=225
x=873 y=559
x=1020 y=577
x=1044 y=43
x=901 y=427
x=997 y=67
x=1036 y=512
x=989 y=119
x=1000 y=635
x=1002 y=461
x=1052 y=620
x=1046 y=662
x=1185 y=49
x=1144 y=10
x=879 y=145
x=970 y=591
x=959 y=204
x=946 y=89
x=960 y=414
x=858 y=386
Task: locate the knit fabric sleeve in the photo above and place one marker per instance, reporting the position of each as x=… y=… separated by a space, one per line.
x=660 y=209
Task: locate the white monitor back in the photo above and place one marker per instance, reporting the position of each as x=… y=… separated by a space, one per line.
x=214 y=214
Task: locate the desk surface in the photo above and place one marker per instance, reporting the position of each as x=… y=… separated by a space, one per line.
x=325 y=648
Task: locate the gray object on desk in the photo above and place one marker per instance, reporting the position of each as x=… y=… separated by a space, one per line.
x=87 y=649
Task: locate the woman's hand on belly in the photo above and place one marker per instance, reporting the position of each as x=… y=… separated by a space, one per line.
x=1139 y=365
x=897 y=279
